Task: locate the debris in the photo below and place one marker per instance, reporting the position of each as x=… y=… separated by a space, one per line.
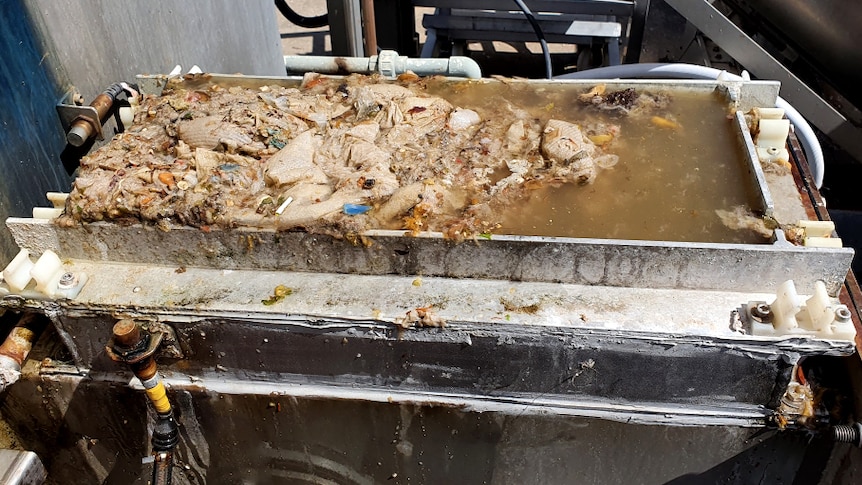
x=665 y=123
x=278 y=294
x=331 y=150
x=283 y=205
x=509 y=306
x=420 y=317
x=741 y=218
x=355 y=209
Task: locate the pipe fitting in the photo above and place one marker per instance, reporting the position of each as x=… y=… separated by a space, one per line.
x=136 y=347
x=15 y=349
x=130 y=345
x=388 y=63
x=84 y=128
x=89 y=120
x=166 y=434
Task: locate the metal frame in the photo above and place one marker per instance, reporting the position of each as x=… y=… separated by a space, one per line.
x=345 y=28
x=571 y=22
x=733 y=40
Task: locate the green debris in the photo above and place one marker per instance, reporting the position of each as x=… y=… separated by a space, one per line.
x=276 y=138
x=278 y=294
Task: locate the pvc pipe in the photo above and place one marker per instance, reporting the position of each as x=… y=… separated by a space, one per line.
x=807 y=137
x=388 y=63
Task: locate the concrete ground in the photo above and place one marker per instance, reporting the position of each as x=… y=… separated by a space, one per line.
x=296 y=40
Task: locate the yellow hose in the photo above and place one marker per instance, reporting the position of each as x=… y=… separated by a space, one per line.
x=158 y=395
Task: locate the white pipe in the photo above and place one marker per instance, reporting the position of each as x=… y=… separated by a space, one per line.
x=807 y=137
x=388 y=63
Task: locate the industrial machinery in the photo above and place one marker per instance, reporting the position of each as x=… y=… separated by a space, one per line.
x=586 y=280
x=301 y=356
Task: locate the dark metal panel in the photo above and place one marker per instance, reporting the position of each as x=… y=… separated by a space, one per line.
x=398 y=22
x=825 y=31
x=31 y=137
x=476 y=360
x=345 y=28
x=270 y=438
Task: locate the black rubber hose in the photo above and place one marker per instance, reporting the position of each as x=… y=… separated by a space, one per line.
x=541 y=35
x=295 y=18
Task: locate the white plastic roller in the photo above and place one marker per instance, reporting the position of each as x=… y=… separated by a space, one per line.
x=17 y=272
x=47 y=272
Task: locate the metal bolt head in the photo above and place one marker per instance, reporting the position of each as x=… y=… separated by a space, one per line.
x=842 y=314
x=762 y=311
x=67 y=280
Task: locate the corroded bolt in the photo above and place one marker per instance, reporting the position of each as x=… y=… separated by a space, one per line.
x=762 y=311
x=127 y=333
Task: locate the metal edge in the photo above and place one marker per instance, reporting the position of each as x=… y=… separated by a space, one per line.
x=754 y=168
x=752 y=93
x=639 y=413
x=595 y=262
x=459 y=331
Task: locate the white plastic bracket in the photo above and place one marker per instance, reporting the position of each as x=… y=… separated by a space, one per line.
x=819 y=234
x=46 y=278
x=771 y=140
x=819 y=315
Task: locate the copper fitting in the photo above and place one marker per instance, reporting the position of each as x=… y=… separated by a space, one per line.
x=17 y=345
x=127 y=333
x=84 y=128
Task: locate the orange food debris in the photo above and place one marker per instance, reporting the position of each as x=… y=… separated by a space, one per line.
x=166 y=178
x=664 y=123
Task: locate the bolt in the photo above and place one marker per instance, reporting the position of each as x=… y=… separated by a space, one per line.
x=127 y=333
x=68 y=280
x=762 y=312
x=842 y=314
x=848 y=433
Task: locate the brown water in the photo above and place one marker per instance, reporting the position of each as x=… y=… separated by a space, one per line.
x=667 y=185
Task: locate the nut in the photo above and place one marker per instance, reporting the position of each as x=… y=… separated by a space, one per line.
x=67 y=280
x=762 y=312
x=842 y=314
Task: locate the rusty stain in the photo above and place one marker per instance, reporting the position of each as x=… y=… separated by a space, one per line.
x=20 y=340
x=127 y=333
x=18 y=344
x=512 y=307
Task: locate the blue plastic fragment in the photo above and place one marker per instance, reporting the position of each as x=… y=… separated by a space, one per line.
x=356 y=209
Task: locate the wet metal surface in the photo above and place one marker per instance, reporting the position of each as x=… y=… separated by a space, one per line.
x=604 y=262
x=266 y=437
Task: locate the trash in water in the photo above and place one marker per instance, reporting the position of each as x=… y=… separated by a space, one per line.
x=356 y=209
